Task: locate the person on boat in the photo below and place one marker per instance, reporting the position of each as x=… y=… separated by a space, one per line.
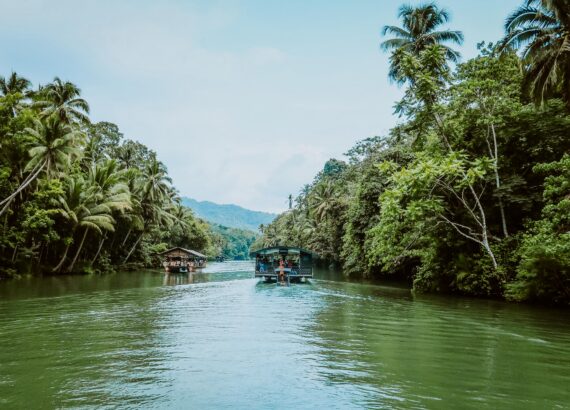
x=281 y=270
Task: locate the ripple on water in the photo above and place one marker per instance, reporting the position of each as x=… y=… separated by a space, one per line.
x=219 y=338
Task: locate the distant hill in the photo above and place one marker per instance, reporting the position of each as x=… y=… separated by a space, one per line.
x=232 y=216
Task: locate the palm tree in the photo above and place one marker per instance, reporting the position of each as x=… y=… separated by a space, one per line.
x=153 y=196
x=542 y=28
x=14 y=84
x=14 y=89
x=107 y=182
x=80 y=205
x=54 y=146
x=156 y=181
x=323 y=200
x=61 y=99
x=418 y=32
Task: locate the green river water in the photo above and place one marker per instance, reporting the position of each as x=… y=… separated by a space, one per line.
x=220 y=339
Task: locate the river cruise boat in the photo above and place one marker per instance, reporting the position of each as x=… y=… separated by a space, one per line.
x=181 y=260
x=284 y=264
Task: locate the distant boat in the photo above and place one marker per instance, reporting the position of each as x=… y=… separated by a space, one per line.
x=283 y=264
x=181 y=260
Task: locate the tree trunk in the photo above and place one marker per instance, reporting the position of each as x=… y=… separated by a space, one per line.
x=42 y=247
x=24 y=184
x=490 y=252
x=126 y=237
x=78 y=251
x=60 y=264
x=133 y=248
x=14 y=253
x=498 y=181
x=98 y=250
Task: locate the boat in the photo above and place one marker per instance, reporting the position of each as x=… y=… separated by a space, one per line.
x=284 y=264
x=181 y=260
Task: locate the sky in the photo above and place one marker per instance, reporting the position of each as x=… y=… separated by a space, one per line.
x=243 y=100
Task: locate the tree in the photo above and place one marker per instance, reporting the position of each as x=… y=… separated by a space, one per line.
x=14 y=84
x=14 y=89
x=419 y=31
x=54 y=144
x=153 y=192
x=62 y=100
x=544 y=271
x=485 y=93
x=79 y=208
x=107 y=182
x=542 y=29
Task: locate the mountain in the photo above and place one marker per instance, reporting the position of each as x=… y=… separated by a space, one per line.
x=232 y=216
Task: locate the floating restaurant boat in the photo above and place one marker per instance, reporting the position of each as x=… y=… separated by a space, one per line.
x=284 y=264
x=181 y=260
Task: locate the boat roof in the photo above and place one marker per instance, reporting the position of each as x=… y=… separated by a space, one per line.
x=282 y=249
x=190 y=251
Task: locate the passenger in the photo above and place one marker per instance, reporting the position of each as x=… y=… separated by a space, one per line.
x=281 y=271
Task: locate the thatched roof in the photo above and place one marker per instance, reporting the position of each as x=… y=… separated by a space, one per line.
x=188 y=251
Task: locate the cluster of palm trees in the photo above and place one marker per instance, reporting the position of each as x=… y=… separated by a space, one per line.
x=111 y=194
x=312 y=222
x=540 y=28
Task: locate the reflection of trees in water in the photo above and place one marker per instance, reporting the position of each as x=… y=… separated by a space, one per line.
x=97 y=347
x=171 y=279
x=403 y=351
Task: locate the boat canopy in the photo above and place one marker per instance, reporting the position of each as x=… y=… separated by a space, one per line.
x=187 y=251
x=283 y=250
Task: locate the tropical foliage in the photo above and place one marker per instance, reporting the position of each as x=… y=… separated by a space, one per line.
x=76 y=196
x=542 y=28
x=470 y=192
x=419 y=32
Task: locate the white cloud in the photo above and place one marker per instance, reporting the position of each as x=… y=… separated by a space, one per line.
x=247 y=124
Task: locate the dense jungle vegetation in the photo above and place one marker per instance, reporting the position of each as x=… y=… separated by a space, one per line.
x=233 y=243
x=77 y=196
x=470 y=193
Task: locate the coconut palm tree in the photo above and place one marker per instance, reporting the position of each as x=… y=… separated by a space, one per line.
x=54 y=145
x=62 y=100
x=419 y=31
x=542 y=29
x=323 y=200
x=14 y=89
x=80 y=207
x=107 y=182
x=14 y=84
x=157 y=183
x=153 y=194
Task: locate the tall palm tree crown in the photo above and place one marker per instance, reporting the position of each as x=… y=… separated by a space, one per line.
x=542 y=29
x=418 y=32
x=54 y=145
x=14 y=84
x=61 y=99
x=14 y=89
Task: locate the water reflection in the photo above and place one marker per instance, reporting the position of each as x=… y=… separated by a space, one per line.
x=413 y=352
x=219 y=338
x=173 y=279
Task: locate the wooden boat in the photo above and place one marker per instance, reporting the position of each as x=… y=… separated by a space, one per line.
x=284 y=264
x=181 y=260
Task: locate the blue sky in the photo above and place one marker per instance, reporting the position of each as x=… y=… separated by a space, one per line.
x=243 y=100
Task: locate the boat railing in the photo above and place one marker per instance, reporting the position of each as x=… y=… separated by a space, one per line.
x=273 y=270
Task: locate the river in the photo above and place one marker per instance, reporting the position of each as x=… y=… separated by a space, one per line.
x=220 y=339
